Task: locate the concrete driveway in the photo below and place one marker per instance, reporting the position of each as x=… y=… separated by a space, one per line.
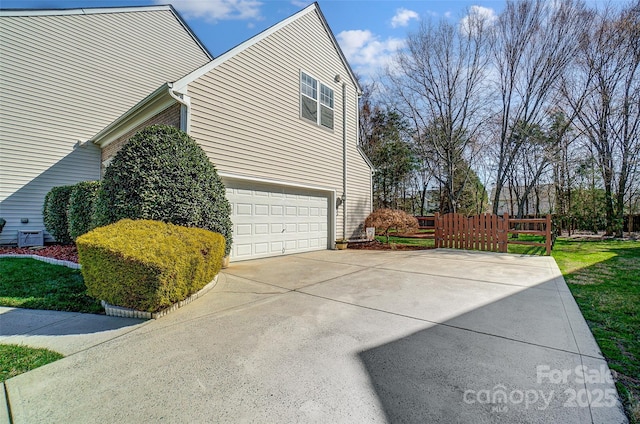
x=336 y=336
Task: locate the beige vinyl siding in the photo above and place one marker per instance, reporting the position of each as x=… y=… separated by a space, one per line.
x=358 y=183
x=65 y=77
x=246 y=113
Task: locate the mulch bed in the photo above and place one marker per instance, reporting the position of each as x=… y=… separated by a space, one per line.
x=376 y=245
x=56 y=251
x=70 y=253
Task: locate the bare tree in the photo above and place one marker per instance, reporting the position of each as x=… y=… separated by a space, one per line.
x=436 y=84
x=603 y=93
x=533 y=44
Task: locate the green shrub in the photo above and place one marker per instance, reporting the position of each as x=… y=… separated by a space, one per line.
x=162 y=174
x=81 y=205
x=54 y=213
x=148 y=265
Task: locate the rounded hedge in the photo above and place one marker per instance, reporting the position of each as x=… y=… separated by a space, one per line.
x=148 y=265
x=163 y=174
x=81 y=204
x=54 y=213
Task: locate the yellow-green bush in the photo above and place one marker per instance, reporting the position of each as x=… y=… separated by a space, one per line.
x=148 y=265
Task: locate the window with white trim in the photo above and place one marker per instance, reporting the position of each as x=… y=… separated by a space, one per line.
x=316 y=105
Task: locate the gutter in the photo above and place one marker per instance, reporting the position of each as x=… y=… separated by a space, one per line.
x=344 y=160
x=128 y=114
x=185 y=110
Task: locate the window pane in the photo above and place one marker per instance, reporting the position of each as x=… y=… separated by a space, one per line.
x=309 y=86
x=326 y=96
x=326 y=117
x=309 y=108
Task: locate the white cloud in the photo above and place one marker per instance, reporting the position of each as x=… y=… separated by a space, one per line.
x=301 y=3
x=476 y=14
x=215 y=10
x=366 y=52
x=402 y=17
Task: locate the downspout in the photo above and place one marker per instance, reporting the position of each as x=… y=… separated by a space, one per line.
x=344 y=160
x=185 y=110
x=362 y=153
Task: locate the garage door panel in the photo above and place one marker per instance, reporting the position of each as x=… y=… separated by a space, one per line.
x=261 y=248
x=243 y=229
x=261 y=210
x=273 y=220
x=261 y=229
x=243 y=209
x=243 y=250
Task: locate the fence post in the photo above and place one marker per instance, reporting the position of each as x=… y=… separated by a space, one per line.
x=547 y=240
x=436 y=223
x=504 y=236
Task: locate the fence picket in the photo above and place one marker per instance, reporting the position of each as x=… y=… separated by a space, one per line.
x=488 y=232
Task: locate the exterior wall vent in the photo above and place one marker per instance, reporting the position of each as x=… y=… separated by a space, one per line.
x=30 y=238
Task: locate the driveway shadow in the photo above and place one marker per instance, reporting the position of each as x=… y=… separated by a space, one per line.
x=32 y=322
x=468 y=370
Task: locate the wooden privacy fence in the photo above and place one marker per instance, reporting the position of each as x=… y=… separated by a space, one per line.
x=489 y=232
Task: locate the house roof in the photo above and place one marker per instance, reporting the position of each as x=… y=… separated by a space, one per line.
x=180 y=84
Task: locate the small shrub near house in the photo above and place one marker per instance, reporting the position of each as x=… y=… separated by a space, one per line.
x=163 y=174
x=54 y=213
x=385 y=220
x=148 y=265
x=80 y=210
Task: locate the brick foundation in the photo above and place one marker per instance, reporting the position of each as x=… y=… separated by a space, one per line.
x=169 y=116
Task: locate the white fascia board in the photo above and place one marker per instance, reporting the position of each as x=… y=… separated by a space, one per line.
x=83 y=11
x=352 y=75
x=148 y=107
x=181 y=84
x=366 y=158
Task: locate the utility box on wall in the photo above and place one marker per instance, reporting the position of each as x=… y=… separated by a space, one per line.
x=28 y=238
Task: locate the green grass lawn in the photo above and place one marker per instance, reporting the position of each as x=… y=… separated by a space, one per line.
x=16 y=359
x=604 y=278
x=27 y=283
x=407 y=241
x=511 y=248
x=523 y=249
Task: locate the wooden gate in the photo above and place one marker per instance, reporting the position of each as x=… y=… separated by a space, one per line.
x=488 y=232
x=481 y=232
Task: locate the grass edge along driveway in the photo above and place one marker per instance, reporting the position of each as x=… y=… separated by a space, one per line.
x=18 y=359
x=28 y=283
x=603 y=277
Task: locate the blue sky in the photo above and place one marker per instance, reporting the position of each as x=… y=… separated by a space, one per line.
x=369 y=32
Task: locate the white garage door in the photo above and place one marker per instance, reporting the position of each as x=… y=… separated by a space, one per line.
x=271 y=220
